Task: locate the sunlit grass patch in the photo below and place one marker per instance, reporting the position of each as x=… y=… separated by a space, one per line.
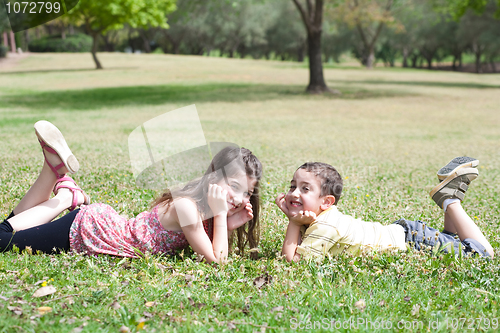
x=387 y=135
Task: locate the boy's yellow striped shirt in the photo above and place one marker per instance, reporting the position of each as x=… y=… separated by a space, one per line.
x=333 y=233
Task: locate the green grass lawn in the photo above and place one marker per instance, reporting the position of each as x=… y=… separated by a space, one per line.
x=387 y=134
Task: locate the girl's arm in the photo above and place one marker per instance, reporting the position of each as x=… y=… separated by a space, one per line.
x=192 y=226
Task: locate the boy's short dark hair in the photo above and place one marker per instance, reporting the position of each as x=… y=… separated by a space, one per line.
x=330 y=179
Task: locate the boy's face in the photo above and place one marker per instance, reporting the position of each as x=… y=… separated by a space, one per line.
x=304 y=193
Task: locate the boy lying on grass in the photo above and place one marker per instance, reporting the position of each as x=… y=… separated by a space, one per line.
x=316 y=188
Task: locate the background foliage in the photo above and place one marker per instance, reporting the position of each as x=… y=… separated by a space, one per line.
x=72 y=43
x=388 y=134
x=446 y=34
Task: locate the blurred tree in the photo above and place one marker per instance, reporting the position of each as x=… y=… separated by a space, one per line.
x=284 y=36
x=232 y=26
x=369 y=17
x=337 y=40
x=312 y=17
x=482 y=35
x=4 y=20
x=99 y=17
x=431 y=35
x=458 y=8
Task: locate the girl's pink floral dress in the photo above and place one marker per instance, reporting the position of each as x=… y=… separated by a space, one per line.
x=99 y=229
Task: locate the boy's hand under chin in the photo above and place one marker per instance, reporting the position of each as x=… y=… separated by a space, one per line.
x=302 y=218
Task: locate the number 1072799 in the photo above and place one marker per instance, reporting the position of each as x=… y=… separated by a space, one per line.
x=33 y=7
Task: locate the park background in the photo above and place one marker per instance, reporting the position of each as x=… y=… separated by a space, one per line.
x=388 y=124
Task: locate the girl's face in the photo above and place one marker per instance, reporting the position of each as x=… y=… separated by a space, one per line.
x=239 y=190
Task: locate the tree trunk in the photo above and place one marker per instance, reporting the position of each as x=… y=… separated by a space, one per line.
x=107 y=43
x=479 y=69
x=414 y=61
x=313 y=20
x=12 y=42
x=405 y=57
x=429 y=62
x=94 y=52
x=176 y=47
x=5 y=39
x=145 y=41
x=478 y=52
x=317 y=83
x=370 y=59
x=129 y=41
x=26 y=39
x=300 y=53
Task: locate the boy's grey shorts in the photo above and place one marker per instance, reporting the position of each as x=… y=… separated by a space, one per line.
x=419 y=235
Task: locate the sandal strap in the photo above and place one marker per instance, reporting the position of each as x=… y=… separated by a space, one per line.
x=64 y=178
x=53 y=168
x=73 y=190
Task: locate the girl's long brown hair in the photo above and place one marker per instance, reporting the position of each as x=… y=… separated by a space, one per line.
x=232 y=160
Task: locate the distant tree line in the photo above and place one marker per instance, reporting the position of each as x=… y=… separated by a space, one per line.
x=411 y=31
x=417 y=33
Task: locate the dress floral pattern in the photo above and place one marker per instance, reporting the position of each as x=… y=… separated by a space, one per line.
x=99 y=229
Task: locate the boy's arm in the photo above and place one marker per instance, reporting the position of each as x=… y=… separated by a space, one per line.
x=292 y=236
x=291 y=241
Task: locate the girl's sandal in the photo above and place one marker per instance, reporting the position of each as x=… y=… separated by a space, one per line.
x=52 y=140
x=73 y=190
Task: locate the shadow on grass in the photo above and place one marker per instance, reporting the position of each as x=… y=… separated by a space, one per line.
x=91 y=99
x=69 y=70
x=423 y=83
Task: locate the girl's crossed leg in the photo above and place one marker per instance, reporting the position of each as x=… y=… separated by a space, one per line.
x=28 y=224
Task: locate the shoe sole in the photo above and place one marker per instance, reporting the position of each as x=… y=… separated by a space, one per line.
x=455 y=164
x=460 y=172
x=55 y=140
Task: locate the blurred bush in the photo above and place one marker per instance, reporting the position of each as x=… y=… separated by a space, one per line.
x=3 y=51
x=72 y=43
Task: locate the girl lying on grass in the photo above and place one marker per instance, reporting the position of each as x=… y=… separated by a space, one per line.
x=316 y=188
x=202 y=214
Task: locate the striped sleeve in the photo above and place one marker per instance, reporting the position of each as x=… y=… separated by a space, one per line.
x=319 y=239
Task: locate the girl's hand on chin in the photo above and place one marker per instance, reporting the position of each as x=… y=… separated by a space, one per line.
x=217 y=199
x=243 y=216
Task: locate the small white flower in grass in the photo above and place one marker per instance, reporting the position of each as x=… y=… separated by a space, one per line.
x=360 y=305
x=415 y=310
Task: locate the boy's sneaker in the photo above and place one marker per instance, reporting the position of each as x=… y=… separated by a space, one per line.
x=454 y=186
x=456 y=164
